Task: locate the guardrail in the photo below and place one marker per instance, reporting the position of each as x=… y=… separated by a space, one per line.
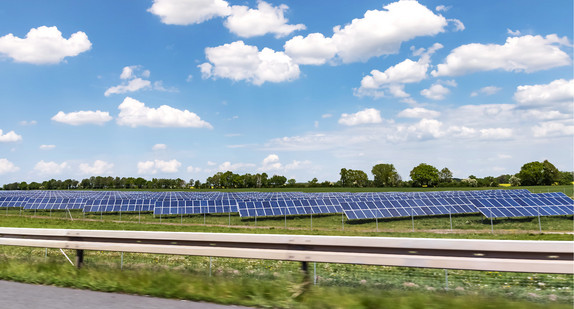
x=468 y=254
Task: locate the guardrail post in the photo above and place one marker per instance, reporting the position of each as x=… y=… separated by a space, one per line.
x=305 y=269
x=79 y=258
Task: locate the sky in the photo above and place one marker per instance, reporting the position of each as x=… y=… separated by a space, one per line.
x=188 y=88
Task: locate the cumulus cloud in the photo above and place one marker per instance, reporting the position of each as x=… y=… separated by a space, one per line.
x=50 y=168
x=159 y=147
x=47 y=147
x=82 y=117
x=134 y=113
x=395 y=76
x=379 y=32
x=44 y=45
x=99 y=167
x=228 y=166
x=418 y=112
x=436 y=92
x=178 y=12
x=131 y=86
x=424 y=129
x=272 y=163
x=7 y=167
x=9 y=137
x=314 y=49
x=553 y=128
x=238 y=61
x=246 y=22
x=488 y=90
x=193 y=169
x=496 y=133
x=519 y=54
x=156 y=166
x=366 y=116
x=133 y=80
x=558 y=92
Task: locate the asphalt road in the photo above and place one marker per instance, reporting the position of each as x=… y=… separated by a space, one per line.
x=15 y=295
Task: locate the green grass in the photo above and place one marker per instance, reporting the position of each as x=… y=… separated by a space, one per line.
x=471 y=226
x=278 y=284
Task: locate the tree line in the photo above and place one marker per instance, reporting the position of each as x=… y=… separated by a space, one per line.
x=384 y=175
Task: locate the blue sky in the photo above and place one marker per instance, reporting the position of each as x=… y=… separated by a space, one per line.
x=166 y=88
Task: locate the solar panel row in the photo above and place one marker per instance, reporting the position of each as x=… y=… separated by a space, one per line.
x=367 y=205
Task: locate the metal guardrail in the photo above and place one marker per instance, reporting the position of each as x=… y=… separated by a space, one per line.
x=484 y=255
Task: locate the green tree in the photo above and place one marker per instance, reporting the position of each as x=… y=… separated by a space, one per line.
x=445 y=175
x=514 y=181
x=385 y=175
x=537 y=173
x=344 y=178
x=566 y=178
x=277 y=181
x=424 y=174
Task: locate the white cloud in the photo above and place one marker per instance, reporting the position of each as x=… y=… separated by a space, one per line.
x=537 y=114
x=418 y=112
x=424 y=129
x=366 y=116
x=272 y=158
x=379 y=32
x=238 y=61
x=134 y=113
x=394 y=77
x=98 y=168
x=436 y=92
x=272 y=163
x=553 y=128
x=228 y=166
x=153 y=167
x=159 y=147
x=547 y=95
x=513 y=32
x=519 y=54
x=50 y=168
x=131 y=86
x=458 y=25
x=44 y=45
x=133 y=81
x=192 y=169
x=178 y=12
x=324 y=116
x=211 y=163
x=9 y=137
x=442 y=8
x=7 y=167
x=47 y=147
x=28 y=123
x=82 y=117
x=496 y=133
x=246 y=22
x=314 y=49
x=488 y=90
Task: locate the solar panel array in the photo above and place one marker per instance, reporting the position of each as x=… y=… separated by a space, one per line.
x=544 y=204
x=365 y=205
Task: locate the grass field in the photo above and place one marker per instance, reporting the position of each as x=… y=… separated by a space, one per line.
x=278 y=284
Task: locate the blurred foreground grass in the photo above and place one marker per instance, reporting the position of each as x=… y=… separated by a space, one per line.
x=278 y=284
